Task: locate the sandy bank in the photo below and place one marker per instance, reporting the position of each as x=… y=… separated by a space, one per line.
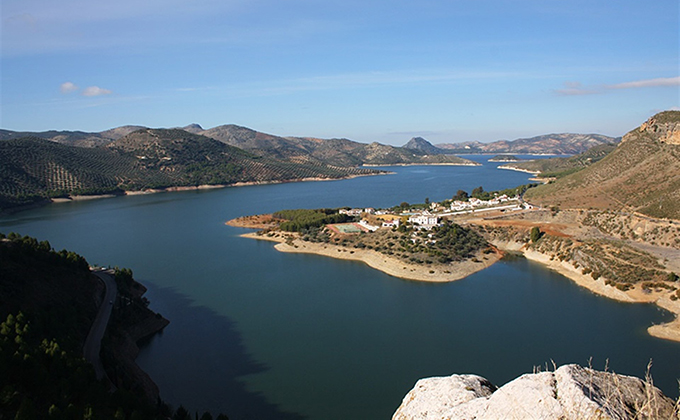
x=370 y=165
x=81 y=198
x=667 y=331
x=512 y=168
x=72 y=198
x=438 y=273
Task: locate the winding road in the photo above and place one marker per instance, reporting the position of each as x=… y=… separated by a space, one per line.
x=93 y=341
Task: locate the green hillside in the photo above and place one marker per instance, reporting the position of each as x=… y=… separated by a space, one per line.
x=642 y=174
x=34 y=170
x=559 y=167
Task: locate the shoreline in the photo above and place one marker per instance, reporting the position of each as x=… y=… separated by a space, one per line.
x=438 y=273
x=666 y=331
x=72 y=198
x=373 y=165
x=456 y=271
x=512 y=168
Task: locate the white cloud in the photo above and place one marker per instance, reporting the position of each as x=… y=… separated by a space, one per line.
x=663 y=81
x=575 y=89
x=68 y=87
x=95 y=91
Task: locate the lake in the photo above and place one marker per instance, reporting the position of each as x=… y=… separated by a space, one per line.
x=259 y=334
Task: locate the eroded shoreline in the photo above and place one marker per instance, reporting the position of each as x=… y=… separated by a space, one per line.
x=435 y=273
x=440 y=273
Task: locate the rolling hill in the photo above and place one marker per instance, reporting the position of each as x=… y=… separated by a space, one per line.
x=561 y=166
x=33 y=169
x=337 y=152
x=641 y=175
x=549 y=144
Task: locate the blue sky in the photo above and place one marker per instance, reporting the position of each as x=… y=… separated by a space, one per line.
x=370 y=70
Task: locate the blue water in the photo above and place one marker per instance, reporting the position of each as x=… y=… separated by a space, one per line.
x=260 y=334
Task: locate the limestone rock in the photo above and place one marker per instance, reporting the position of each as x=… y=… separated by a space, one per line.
x=571 y=392
x=665 y=126
x=434 y=398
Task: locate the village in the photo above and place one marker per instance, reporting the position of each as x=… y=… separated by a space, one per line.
x=427 y=218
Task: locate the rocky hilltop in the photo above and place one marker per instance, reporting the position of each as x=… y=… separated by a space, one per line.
x=664 y=126
x=419 y=143
x=570 y=392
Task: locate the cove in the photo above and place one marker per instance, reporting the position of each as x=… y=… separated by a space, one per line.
x=256 y=333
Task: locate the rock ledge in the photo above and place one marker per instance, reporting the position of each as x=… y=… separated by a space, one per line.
x=570 y=392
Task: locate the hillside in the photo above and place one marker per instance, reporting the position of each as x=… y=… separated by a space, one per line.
x=550 y=144
x=642 y=174
x=34 y=170
x=48 y=302
x=336 y=152
x=420 y=144
x=74 y=138
x=333 y=152
x=558 y=167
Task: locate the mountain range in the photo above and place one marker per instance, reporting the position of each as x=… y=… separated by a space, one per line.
x=549 y=144
x=35 y=170
x=641 y=174
x=341 y=152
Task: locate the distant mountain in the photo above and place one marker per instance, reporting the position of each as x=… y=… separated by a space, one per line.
x=562 y=166
x=34 y=170
x=642 y=174
x=550 y=144
x=74 y=138
x=334 y=152
x=419 y=143
x=338 y=152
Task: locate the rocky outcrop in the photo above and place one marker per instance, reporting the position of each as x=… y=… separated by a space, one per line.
x=665 y=126
x=570 y=392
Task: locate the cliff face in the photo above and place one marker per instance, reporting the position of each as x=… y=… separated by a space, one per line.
x=570 y=392
x=664 y=126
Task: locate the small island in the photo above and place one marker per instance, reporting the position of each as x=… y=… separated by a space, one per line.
x=505 y=158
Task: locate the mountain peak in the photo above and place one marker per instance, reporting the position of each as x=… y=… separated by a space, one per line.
x=419 y=143
x=193 y=128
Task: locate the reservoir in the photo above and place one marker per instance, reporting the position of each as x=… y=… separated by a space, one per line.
x=259 y=334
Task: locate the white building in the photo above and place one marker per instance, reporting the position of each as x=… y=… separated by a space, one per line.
x=424 y=220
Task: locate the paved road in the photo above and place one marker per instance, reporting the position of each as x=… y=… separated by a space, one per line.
x=93 y=342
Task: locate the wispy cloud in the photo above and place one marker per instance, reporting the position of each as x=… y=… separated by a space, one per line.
x=95 y=91
x=68 y=87
x=576 y=88
x=663 y=81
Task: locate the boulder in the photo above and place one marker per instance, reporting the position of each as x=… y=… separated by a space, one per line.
x=570 y=392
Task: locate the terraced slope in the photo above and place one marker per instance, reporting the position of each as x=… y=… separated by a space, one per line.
x=33 y=169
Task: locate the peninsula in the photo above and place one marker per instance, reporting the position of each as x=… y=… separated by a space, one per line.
x=441 y=244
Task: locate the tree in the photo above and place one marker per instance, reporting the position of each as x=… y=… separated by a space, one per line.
x=478 y=191
x=535 y=234
x=461 y=195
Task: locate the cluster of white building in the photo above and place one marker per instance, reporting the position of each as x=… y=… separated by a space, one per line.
x=472 y=203
x=426 y=219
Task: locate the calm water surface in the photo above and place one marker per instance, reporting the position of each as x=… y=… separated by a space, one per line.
x=259 y=334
